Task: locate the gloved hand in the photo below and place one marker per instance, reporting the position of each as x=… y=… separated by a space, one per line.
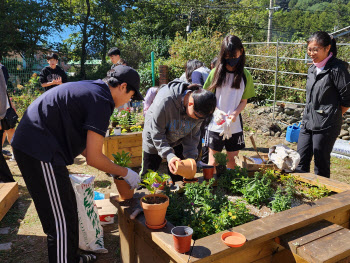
x=132 y=178
x=226 y=133
x=219 y=116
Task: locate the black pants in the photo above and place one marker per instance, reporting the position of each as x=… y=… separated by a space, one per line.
x=153 y=161
x=5 y=173
x=55 y=202
x=319 y=145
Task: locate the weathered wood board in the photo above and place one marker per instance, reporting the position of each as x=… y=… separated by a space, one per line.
x=8 y=195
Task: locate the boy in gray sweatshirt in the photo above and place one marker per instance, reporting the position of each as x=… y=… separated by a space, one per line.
x=172 y=125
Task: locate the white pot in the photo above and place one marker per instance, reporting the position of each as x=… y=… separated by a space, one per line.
x=117 y=131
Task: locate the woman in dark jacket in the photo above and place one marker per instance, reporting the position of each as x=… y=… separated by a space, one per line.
x=327 y=99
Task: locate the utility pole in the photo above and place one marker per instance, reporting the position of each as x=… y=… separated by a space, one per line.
x=190 y=18
x=269 y=27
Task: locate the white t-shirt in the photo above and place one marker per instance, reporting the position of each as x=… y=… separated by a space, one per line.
x=227 y=100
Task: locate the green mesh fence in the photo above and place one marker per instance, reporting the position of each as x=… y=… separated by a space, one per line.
x=23 y=74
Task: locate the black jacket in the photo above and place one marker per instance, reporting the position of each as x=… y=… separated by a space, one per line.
x=48 y=74
x=325 y=94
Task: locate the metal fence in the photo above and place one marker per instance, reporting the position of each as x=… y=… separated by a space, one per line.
x=276 y=70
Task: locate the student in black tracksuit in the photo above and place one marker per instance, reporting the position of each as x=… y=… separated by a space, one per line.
x=327 y=99
x=52 y=75
x=59 y=125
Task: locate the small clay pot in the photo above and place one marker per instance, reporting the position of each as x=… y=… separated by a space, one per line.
x=220 y=169
x=208 y=172
x=182 y=236
x=186 y=168
x=125 y=192
x=155 y=213
x=233 y=239
x=189 y=181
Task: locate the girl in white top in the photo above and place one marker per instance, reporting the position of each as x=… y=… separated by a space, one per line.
x=233 y=86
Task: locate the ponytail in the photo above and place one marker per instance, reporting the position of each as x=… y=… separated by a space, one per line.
x=333 y=46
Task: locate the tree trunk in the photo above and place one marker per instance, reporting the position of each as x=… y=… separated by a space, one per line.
x=85 y=40
x=105 y=43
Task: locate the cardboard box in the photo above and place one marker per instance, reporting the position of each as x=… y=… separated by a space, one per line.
x=251 y=167
x=106 y=211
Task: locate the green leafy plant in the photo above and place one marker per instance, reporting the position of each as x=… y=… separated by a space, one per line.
x=220 y=158
x=152 y=181
x=258 y=190
x=122 y=159
x=281 y=201
x=314 y=192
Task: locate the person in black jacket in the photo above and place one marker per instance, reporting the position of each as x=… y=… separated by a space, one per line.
x=52 y=75
x=327 y=99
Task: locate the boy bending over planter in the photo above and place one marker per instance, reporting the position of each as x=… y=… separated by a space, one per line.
x=172 y=125
x=58 y=126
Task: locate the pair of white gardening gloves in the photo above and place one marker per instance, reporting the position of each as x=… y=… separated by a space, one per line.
x=221 y=118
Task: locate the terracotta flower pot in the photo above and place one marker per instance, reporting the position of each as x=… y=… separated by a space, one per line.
x=189 y=181
x=182 y=236
x=208 y=172
x=155 y=212
x=125 y=192
x=186 y=168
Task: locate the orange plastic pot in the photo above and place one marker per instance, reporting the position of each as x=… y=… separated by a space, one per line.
x=124 y=190
x=155 y=213
x=208 y=172
x=186 y=168
x=182 y=236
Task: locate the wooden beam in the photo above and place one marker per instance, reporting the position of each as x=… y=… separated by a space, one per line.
x=330 y=184
x=8 y=195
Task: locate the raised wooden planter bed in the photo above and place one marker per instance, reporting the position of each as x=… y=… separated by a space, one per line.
x=140 y=244
x=128 y=142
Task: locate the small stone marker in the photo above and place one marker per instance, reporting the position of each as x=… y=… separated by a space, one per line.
x=4 y=230
x=5 y=246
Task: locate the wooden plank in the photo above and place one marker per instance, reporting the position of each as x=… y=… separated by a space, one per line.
x=340 y=218
x=267 y=228
x=302 y=236
x=8 y=196
x=130 y=142
x=283 y=255
x=330 y=184
x=330 y=248
x=135 y=151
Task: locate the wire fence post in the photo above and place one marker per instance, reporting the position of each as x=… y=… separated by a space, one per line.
x=275 y=88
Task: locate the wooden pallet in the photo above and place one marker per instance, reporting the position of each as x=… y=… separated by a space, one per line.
x=142 y=245
x=127 y=142
x=8 y=195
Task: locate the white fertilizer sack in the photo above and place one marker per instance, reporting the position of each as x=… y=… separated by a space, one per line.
x=90 y=230
x=285 y=158
x=341 y=147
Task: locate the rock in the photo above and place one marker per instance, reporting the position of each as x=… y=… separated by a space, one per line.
x=266 y=133
x=264 y=128
x=272 y=133
x=283 y=134
x=5 y=246
x=278 y=134
x=289 y=111
x=345 y=126
x=294 y=120
x=4 y=230
x=279 y=109
x=343 y=133
x=347 y=138
x=260 y=111
x=278 y=118
x=291 y=106
x=297 y=114
x=271 y=115
x=347 y=120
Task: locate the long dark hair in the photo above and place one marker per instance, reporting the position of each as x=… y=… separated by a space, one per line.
x=324 y=39
x=230 y=45
x=191 y=66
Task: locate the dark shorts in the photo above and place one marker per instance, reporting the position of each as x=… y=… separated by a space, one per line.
x=235 y=143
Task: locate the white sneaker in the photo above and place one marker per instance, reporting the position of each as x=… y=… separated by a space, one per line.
x=12 y=158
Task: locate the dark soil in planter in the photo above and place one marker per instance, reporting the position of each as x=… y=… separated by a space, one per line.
x=154 y=200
